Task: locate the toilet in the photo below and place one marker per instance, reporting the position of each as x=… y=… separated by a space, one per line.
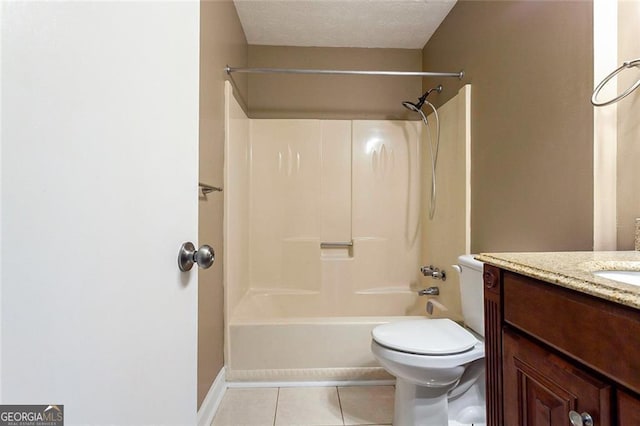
x=438 y=364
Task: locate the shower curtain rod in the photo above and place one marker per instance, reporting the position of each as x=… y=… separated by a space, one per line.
x=230 y=70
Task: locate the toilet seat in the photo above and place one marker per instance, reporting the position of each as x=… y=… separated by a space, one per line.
x=436 y=337
x=428 y=361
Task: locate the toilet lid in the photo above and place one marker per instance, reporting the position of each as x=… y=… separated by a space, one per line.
x=425 y=336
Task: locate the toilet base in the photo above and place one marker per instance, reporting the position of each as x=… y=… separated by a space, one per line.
x=419 y=405
x=469 y=408
x=422 y=406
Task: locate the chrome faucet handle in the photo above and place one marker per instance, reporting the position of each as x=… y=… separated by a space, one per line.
x=435 y=273
x=439 y=275
x=431 y=291
x=427 y=270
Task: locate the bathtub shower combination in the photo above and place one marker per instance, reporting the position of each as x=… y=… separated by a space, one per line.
x=323 y=242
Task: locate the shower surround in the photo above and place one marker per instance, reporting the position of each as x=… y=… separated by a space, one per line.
x=297 y=309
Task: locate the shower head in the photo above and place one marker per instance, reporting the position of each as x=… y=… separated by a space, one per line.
x=421 y=100
x=411 y=106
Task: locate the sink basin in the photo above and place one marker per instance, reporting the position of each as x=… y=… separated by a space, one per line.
x=628 y=277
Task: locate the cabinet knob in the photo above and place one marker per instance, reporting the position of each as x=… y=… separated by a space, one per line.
x=578 y=419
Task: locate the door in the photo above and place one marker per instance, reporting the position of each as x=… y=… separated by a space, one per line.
x=628 y=409
x=99 y=189
x=540 y=389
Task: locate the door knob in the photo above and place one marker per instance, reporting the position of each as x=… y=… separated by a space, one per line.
x=188 y=255
x=578 y=419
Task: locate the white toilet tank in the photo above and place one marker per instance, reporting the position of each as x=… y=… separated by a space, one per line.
x=472 y=292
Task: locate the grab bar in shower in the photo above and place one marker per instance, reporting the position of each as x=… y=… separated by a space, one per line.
x=332 y=245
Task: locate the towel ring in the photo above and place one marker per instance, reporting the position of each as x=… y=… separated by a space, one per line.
x=624 y=66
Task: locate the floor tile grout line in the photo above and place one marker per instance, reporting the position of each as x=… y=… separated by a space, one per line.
x=340 y=404
x=275 y=412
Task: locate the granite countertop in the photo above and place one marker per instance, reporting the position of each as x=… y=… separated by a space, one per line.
x=573 y=270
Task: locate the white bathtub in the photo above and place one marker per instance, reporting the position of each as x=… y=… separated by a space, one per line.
x=295 y=310
x=282 y=337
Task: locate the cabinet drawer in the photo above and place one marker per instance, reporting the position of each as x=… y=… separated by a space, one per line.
x=601 y=335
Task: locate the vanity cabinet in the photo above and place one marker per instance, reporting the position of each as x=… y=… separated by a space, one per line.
x=541 y=388
x=551 y=350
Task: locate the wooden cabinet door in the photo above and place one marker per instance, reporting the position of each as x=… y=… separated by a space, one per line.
x=628 y=410
x=540 y=388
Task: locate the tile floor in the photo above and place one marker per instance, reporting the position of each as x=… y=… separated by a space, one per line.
x=326 y=406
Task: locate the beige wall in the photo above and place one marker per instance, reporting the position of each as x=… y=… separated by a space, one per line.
x=332 y=97
x=222 y=41
x=628 y=126
x=531 y=67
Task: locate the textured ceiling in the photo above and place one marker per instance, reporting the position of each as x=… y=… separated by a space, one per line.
x=405 y=24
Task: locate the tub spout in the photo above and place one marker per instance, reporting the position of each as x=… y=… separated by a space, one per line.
x=431 y=291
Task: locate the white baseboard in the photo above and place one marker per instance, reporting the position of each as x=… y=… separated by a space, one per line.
x=308 y=374
x=304 y=384
x=212 y=401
